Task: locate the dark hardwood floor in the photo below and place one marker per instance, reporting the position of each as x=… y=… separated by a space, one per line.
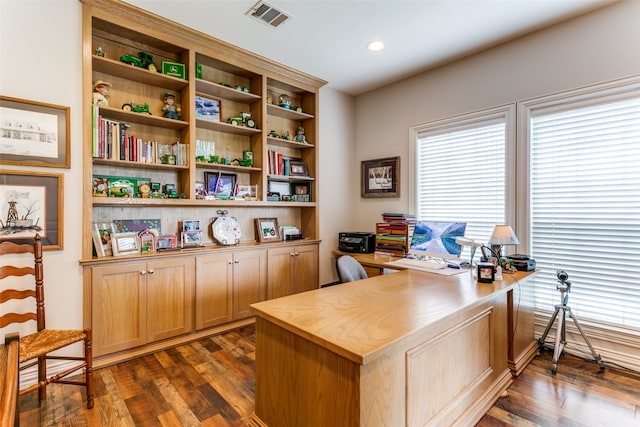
x=210 y=382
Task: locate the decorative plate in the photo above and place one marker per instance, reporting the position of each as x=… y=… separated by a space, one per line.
x=226 y=230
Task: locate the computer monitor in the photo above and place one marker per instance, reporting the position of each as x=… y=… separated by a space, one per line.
x=437 y=239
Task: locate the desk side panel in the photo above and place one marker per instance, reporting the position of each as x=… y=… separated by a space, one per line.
x=299 y=383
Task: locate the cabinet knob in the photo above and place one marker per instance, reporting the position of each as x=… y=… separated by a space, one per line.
x=150 y=272
x=230 y=262
x=142 y=273
x=236 y=261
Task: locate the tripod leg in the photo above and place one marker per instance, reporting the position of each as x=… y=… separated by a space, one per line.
x=596 y=356
x=560 y=341
x=542 y=339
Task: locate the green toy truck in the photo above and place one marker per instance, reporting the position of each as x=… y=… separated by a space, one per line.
x=143 y=60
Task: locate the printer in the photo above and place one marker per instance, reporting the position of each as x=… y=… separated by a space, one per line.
x=357 y=242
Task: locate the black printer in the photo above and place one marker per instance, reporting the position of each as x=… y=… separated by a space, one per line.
x=357 y=242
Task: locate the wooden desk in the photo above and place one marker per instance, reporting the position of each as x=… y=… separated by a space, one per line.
x=405 y=349
x=9 y=381
x=522 y=344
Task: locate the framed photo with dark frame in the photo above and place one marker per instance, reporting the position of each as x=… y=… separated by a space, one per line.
x=220 y=184
x=30 y=203
x=380 y=177
x=267 y=229
x=208 y=108
x=302 y=191
x=298 y=168
x=34 y=133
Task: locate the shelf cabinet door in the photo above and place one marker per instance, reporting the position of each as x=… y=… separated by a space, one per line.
x=292 y=270
x=169 y=298
x=249 y=281
x=118 y=317
x=214 y=289
x=305 y=269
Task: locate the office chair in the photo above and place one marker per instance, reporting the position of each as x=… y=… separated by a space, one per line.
x=35 y=347
x=349 y=270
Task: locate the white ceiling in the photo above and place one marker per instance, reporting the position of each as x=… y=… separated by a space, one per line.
x=327 y=38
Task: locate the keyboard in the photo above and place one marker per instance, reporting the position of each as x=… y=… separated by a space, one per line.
x=419 y=264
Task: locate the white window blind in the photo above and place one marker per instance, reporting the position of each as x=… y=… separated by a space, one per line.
x=585 y=207
x=460 y=172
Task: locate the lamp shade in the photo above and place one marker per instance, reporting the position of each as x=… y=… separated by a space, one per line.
x=503 y=235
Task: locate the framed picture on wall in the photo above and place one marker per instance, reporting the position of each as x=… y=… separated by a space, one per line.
x=32 y=203
x=380 y=177
x=34 y=133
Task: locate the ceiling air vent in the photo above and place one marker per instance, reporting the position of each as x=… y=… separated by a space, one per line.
x=268 y=14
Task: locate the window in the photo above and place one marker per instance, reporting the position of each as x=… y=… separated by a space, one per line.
x=584 y=201
x=459 y=170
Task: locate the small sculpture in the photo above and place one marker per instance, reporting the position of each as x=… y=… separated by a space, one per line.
x=101 y=93
x=300 y=136
x=171 y=111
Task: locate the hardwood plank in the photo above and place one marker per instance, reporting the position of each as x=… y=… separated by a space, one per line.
x=211 y=382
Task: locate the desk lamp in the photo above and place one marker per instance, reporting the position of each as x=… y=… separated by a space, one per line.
x=502 y=235
x=465 y=241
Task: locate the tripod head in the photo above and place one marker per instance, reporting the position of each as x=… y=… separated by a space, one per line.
x=563 y=281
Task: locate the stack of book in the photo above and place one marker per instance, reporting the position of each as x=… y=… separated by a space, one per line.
x=393 y=236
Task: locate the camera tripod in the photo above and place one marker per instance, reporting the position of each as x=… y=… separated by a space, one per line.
x=563 y=308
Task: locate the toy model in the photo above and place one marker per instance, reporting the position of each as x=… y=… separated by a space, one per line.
x=300 y=135
x=235 y=120
x=143 y=60
x=171 y=110
x=101 y=93
x=136 y=108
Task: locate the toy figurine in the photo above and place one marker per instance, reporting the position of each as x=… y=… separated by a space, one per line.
x=300 y=135
x=171 y=111
x=101 y=93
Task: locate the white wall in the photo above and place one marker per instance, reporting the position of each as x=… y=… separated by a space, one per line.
x=596 y=47
x=40 y=50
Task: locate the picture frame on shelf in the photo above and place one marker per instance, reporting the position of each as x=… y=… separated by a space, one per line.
x=191 y=238
x=147 y=241
x=220 y=184
x=102 y=238
x=302 y=191
x=267 y=230
x=34 y=133
x=298 y=168
x=380 y=178
x=32 y=203
x=125 y=243
x=208 y=108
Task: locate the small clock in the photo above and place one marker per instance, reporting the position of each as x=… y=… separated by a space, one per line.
x=144 y=190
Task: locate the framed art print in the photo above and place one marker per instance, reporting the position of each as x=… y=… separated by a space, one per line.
x=34 y=133
x=380 y=178
x=32 y=203
x=125 y=243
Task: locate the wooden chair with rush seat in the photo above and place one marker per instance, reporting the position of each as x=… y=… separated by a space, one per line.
x=35 y=348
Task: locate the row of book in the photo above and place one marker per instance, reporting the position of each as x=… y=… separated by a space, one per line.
x=278 y=163
x=113 y=141
x=393 y=236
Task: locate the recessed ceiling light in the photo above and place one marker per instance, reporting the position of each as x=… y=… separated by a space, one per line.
x=375 y=46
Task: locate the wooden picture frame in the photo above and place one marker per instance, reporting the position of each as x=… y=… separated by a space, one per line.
x=125 y=243
x=208 y=108
x=102 y=232
x=267 y=230
x=25 y=194
x=380 y=178
x=34 y=133
x=298 y=168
